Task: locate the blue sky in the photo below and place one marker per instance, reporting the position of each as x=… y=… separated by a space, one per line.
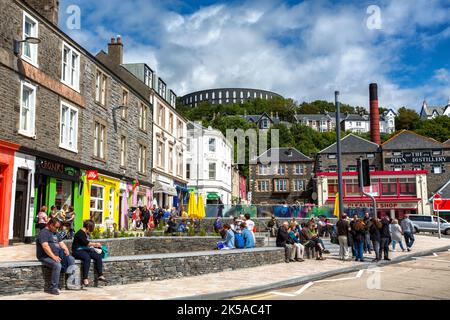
x=304 y=50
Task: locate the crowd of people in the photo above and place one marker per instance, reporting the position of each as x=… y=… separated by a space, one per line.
x=238 y=235
x=149 y=217
x=66 y=216
x=372 y=234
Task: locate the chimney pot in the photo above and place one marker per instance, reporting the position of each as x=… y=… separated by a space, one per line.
x=113 y=40
x=119 y=39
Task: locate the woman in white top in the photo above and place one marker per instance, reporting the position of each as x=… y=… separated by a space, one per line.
x=396 y=234
x=250 y=225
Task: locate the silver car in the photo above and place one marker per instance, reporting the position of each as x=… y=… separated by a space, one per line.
x=429 y=224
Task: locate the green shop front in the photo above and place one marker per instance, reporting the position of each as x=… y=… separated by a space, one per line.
x=58 y=184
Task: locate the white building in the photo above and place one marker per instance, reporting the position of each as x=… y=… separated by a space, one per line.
x=169 y=138
x=431 y=112
x=209 y=163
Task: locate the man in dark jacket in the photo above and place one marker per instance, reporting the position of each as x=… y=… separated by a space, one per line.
x=374 y=231
x=285 y=241
x=367 y=243
x=342 y=230
x=385 y=237
x=146 y=217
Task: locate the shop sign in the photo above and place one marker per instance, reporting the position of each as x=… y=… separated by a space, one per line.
x=57 y=169
x=417 y=157
x=92 y=174
x=383 y=205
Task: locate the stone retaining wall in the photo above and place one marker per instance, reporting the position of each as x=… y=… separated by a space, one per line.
x=22 y=277
x=261 y=223
x=152 y=245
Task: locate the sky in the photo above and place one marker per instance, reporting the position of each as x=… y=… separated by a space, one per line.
x=304 y=50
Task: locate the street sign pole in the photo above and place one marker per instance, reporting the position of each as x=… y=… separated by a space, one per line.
x=360 y=172
x=437 y=200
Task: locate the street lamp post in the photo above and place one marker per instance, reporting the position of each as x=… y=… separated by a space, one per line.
x=30 y=40
x=339 y=153
x=437 y=200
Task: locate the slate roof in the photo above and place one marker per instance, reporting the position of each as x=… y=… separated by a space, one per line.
x=257 y=117
x=352 y=144
x=429 y=110
x=314 y=117
x=283 y=155
x=408 y=140
x=444 y=191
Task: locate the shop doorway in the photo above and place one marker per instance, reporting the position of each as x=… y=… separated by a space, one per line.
x=20 y=208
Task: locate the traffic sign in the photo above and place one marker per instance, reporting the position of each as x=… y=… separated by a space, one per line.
x=437 y=200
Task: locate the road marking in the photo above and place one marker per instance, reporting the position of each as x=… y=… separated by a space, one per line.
x=302 y=289
x=434 y=254
x=282 y=294
x=254 y=297
x=359 y=274
x=431 y=260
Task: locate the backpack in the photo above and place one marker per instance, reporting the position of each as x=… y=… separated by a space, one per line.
x=36 y=219
x=239 y=241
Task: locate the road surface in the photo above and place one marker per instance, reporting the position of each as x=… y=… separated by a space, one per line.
x=421 y=278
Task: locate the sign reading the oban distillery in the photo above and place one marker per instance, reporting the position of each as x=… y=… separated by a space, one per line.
x=418 y=157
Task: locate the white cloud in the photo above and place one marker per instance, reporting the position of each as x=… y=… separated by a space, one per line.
x=304 y=51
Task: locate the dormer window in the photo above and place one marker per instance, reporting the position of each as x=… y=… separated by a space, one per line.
x=264 y=123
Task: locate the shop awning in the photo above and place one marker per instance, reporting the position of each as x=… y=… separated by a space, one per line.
x=164 y=188
x=212 y=196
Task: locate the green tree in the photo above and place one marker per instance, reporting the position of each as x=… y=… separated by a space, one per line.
x=437 y=128
x=406 y=119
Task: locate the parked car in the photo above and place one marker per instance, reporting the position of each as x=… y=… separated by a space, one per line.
x=429 y=224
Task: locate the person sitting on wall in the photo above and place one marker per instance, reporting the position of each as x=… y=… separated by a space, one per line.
x=53 y=253
x=228 y=243
x=298 y=246
x=85 y=250
x=249 y=241
x=273 y=226
x=312 y=236
x=171 y=225
x=286 y=242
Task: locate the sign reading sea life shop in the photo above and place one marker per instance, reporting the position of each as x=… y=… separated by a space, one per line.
x=418 y=157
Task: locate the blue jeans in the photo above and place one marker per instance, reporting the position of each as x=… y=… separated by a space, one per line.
x=394 y=242
x=409 y=239
x=359 y=246
x=367 y=243
x=56 y=270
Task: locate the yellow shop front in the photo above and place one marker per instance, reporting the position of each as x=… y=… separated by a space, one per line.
x=101 y=200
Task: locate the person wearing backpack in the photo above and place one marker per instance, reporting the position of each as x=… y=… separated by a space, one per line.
x=41 y=219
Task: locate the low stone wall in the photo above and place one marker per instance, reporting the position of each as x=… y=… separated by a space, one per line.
x=22 y=277
x=260 y=223
x=152 y=245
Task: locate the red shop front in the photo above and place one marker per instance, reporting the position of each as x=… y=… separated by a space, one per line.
x=7 y=150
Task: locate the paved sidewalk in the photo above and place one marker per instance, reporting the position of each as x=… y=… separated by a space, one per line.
x=216 y=284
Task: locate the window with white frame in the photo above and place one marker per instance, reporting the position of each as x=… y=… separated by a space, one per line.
x=170 y=159
x=188 y=145
x=180 y=164
x=100 y=87
x=281 y=169
x=280 y=185
x=123 y=151
x=212 y=171
x=161 y=116
x=160 y=153
x=436 y=169
x=69 y=127
x=99 y=140
x=188 y=170
x=30 y=29
x=263 y=169
x=148 y=77
x=70 y=67
x=298 y=185
x=171 y=123
x=97 y=202
x=142 y=159
x=124 y=110
x=27 y=110
x=179 y=129
x=299 y=168
x=162 y=88
x=212 y=145
x=263 y=186
x=142 y=116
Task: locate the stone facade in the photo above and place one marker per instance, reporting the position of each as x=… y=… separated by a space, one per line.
x=44 y=139
x=263 y=179
x=152 y=245
x=22 y=277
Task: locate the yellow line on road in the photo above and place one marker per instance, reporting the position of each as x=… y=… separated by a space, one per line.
x=255 y=297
